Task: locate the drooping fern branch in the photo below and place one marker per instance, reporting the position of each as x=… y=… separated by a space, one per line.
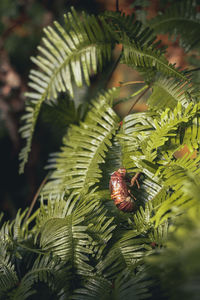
x=72 y=52
x=167 y=92
x=149 y=58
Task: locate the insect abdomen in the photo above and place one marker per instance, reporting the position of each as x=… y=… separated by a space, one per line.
x=119 y=191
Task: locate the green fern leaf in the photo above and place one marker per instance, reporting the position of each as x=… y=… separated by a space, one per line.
x=74 y=229
x=127 y=24
x=76 y=54
x=136 y=128
x=166 y=93
x=30 y=119
x=99 y=225
x=84 y=149
x=67 y=239
x=95 y=288
x=8 y=275
x=149 y=58
x=44 y=271
x=175 y=175
x=126 y=286
x=166 y=127
x=127 y=251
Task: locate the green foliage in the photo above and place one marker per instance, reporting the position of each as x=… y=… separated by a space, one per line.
x=148 y=58
x=180 y=19
x=78 y=244
x=168 y=92
x=71 y=52
x=125 y=287
x=176 y=267
x=84 y=148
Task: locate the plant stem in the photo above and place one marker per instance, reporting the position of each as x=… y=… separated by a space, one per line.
x=37 y=194
x=131 y=82
x=114 y=67
x=136 y=101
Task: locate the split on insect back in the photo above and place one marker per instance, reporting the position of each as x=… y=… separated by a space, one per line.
x=120 y=190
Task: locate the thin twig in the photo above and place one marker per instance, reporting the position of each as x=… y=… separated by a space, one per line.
x=114 y=67
x=136 y=101
x=37 y=194
x=131 y=82
x=117 y=5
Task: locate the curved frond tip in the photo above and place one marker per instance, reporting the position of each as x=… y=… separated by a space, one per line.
x=70 y=53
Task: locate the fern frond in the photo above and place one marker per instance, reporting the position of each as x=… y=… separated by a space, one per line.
x=61 y=114
x=188 y=134
x=113 y=161
x=126 y=286
x=99 y=225
x=67 y=239
x=136 y=127
x=100 y=228
x=127 y=24
x=126 y=252
x=155 y=136
x=175 y=175
x=17 y=229
x=184 y=166
x=166 y=128
x=8 y=275
x=43 y=271
x=96 y=287
x=68 y=230
x=167 y=92
x=76 y=51
x=142 y=218
x=144 y=222
x=65 y=54
x=84 y=149
x=181 y=20
x=30 y=118
x=148 y=58
x=159 y=234
x=131 y=286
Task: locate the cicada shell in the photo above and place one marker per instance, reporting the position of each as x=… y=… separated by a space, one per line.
x=120 y=192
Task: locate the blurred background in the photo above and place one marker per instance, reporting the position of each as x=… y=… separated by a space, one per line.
x=21 y=24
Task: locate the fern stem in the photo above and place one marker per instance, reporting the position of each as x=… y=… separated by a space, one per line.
x=138 y=99
x=114 y=67
x=131 y=82
x=36 y=195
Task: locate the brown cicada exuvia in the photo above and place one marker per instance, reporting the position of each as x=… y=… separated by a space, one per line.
x=120 y=191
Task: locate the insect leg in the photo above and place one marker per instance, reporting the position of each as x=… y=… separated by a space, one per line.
x=135 y=179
